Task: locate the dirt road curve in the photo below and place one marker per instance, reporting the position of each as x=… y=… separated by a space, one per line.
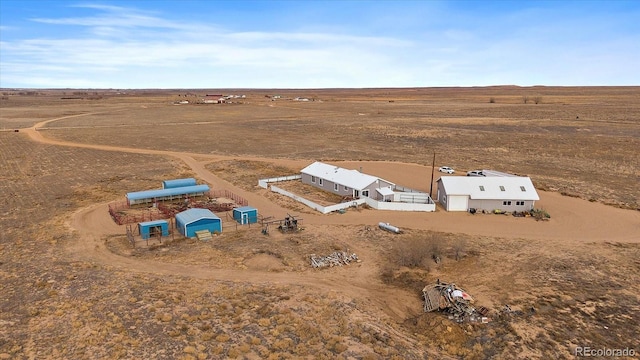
x=573 y=221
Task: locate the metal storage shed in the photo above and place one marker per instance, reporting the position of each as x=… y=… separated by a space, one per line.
x=245 y=215
x=153 y=228
x=192 y=220
x=176 y=183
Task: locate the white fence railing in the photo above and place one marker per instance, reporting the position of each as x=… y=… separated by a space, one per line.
x=263 y=183
x=412 y=197
x=407 y=200
x=318 y=207
x=400 y=206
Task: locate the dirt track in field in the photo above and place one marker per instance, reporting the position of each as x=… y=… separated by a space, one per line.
x=574 y=222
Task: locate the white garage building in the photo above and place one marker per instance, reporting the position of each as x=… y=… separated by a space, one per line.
x=507 y=193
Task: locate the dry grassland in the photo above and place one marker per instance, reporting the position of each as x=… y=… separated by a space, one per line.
x=252 y=296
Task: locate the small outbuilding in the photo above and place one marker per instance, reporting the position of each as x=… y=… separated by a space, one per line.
x=245 y=215
x=192 y=220
x=151 y=229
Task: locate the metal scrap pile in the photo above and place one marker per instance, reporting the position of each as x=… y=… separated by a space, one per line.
x=451 y=299
x=338 y=258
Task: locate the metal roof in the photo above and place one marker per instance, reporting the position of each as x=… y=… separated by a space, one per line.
x=496 y=173
x=150 y=194
x=166 y=184
x=245 y=208
x=491 y=188
x=192 y=215
x=385 y=191
x=153 y=223
x=345 y=177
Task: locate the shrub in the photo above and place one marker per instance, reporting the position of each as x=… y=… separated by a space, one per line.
x=413 y=252
x=540 y=214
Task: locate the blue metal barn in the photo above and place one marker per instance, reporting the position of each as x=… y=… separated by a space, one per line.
x=192 y=220
x=153 y=228
x=245 y=215
x=142 y=197
x=176 y=183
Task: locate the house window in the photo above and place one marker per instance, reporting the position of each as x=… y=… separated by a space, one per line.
x=481 y=188
x=523 y=188
x=502 y=188
x=346 y=188
x=506 y=203
x=320 y=181
x=335 y=187
x=519 y=202
x=365 y=193
x=313 y=179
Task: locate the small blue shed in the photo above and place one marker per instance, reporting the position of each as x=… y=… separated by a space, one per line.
x=192 y=220
x=245 y=215
x=176 y=183
x=153 y=228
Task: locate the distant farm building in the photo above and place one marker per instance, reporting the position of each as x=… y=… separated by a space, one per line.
x=245 y=215
x=194 y=220
x=151 y=229
x=345 y=182
x=506 y=193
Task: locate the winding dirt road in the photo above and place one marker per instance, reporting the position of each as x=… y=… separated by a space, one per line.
x=574 y=221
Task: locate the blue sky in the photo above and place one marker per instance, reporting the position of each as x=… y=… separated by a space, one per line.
x=317 y=44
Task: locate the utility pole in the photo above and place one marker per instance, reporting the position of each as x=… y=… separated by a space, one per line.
x=433 y=166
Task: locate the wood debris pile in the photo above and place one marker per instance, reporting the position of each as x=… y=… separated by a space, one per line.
x=451 y=299
x=337 y=258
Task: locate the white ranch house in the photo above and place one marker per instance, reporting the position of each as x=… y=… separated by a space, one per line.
x=507 y=193
x=356 y=187
x=346 y=182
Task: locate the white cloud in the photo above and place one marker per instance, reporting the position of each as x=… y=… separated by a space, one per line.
x=123 y=47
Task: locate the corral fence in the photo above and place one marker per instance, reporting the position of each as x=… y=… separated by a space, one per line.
x=162 y=210
x=239 y=200
x=117 y=212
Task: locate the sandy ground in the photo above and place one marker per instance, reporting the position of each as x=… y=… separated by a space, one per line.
x=599 y=234
x=574 y=221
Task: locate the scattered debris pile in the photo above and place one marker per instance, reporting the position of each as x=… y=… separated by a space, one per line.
x=453 y=300
x=338 y=258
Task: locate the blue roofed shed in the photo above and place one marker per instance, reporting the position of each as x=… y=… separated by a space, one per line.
x=153 y=228
x=192 y=220
x=245 y=215
x=176 y=183
x=142 y=197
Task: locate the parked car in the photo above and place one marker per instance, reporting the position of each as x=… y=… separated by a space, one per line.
x=475 y=173
x=446 y=169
